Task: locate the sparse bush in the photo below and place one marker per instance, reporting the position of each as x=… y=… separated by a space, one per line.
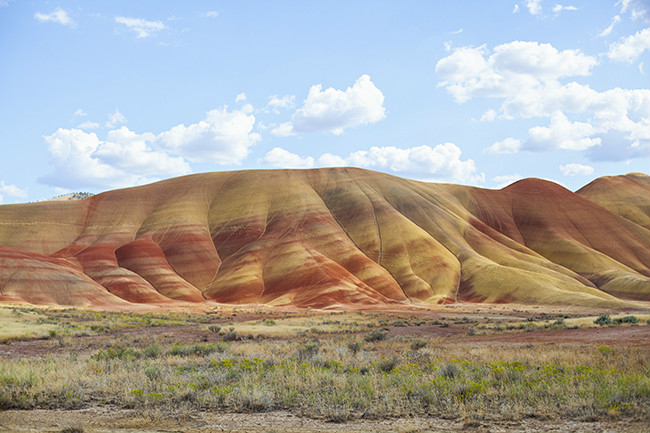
x=450 y=371
x=376 y=335
x=231 y=336
x=152 y=372
x=354 y=347
x=603 y=320
x=627 y=319
x=605 y=350
x=418 y=344
x=387 y=365
x=308 y=351
x=214 y=328
x=152 y=351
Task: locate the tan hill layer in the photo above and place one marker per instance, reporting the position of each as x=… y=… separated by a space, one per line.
x=325 y=237
x=627 y=195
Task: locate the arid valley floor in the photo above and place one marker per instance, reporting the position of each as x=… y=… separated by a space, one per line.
x=461 y=367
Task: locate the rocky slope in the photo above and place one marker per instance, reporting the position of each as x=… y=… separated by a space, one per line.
x=331 y=237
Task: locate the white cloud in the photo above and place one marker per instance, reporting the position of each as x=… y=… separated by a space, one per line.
x=629 y=48
x=470 y=71
x=515 y=9
x=608 y=30
x=88 y=125
x=559 y=8
x=58 y=16
x=534 y=6
x=525 y=76
x=115 y=119
x=11 y=190
x=576 y=170
x=275 y=103
x=442 y=162
x=330 y=160
x=624 y=5
x=240 y=97
x=210 y=14
x=509 y=146
x=562 y=134
x=141 y=27
x=80 y=113
x=223 y=137
x=82 y=160
x=505 y=180
x=278 y=157
x=335 y=110
x=283 y=130
x=489 y=116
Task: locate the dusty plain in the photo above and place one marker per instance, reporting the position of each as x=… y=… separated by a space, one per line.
x=459 y=367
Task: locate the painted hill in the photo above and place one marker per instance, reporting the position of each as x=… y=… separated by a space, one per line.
x=329 y=237
x=627 y=196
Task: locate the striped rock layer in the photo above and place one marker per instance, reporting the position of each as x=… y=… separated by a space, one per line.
x=336 y=237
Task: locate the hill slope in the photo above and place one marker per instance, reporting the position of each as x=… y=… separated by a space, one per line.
x=325 y=237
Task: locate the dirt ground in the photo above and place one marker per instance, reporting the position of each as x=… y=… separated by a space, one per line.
x=106 y=419
x=95 y=420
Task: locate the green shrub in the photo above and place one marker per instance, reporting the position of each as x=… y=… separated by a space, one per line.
x=376 y=335
x=603 y=320
x=418 y=344
x=627 y=319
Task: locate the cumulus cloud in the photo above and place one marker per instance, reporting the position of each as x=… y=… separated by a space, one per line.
x=330 y=160
x=276 y=102
x=115 y=118
x=58 y=16
x=332 y=110
x=11 y=191
x=82 y=160
x=210 y=14
x=283 y=130
x=141 y=27
x=562 y=134
x=281 y=158
x=80 y=113
x=509 y=145
x=576 y=170
x=630 y=48
x=472 y=71
x=223 y=137
x=534 y=6
x=240 y=97
x=526 y=76
x=442 y=162
x=515 y=9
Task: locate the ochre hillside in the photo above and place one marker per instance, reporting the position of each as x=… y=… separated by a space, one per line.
x=338 y=237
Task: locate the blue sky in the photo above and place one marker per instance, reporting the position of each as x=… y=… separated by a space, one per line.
x=102 y=95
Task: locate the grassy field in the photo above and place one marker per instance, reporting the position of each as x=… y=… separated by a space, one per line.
x=335 y=367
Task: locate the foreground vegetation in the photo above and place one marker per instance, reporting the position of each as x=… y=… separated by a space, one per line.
x=366 y=374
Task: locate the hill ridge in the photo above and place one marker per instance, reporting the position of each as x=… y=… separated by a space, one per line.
x=323 y=237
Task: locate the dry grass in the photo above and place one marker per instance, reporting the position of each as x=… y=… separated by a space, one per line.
x=325 y=379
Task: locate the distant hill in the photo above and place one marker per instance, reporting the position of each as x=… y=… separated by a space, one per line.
x=72 y=196
x=335 y=237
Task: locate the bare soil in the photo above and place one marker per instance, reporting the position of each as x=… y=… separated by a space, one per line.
x=107 y=420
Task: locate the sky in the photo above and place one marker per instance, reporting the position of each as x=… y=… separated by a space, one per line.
x=109 y=94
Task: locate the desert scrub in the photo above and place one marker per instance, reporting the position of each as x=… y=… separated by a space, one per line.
x=325 y=379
